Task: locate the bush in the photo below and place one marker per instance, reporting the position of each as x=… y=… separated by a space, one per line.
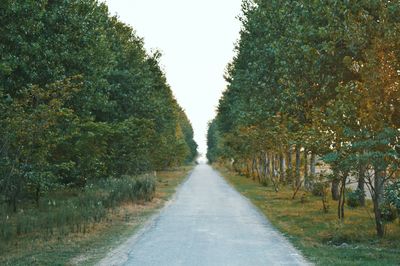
x=388 y=212
x=354 y=198
x=127 y=189
x=318 y=189
x=392 y=194
x=6 y=230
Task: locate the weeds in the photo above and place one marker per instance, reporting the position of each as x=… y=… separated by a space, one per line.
x=75 y=211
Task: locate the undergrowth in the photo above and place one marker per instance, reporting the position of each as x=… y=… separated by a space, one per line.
x=73 y=210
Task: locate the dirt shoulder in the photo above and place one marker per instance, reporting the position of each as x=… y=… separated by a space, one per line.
x=136 y=217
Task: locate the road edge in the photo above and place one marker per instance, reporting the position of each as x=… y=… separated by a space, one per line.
x=299 y=254
x=120 y=254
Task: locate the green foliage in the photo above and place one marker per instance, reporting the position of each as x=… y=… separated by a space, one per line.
x=63 y=214
x=318 y=189
x=80 y=99
x=389 y=213
x=322 y=76
x=354 y=197
x=213 y=142
x=125 y=189
x=188 y=136
x=392 y=194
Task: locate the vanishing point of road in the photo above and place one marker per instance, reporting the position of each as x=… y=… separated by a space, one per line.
x=207 y=223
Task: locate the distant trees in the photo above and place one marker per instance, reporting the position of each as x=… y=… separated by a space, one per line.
x=80 y=99
x=314 y=78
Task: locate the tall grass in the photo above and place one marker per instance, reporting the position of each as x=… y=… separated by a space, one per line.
x=74 y=211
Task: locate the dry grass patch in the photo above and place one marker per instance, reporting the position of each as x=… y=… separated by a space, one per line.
x=319 y=235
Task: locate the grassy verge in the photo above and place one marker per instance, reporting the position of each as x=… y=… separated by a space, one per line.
x=318 y=235
x=90 y=246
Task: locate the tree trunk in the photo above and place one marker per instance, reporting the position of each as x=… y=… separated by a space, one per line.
x=14 y=203
x=277 y=167
x=305 y=164
x=377 y=199
x=265 y=168
x=298 y=165
x=259 y=166
x=253 y=169
x=268 y=165
x=361 y=184
x=248 y=168
x=313 y=164
x=273 y=165
x=282 y=167
x=342 y=197
x=380 y=228
x=289 y=164
x=306 y=177
x=274 y=176
x=37 y=195
x=335 y=188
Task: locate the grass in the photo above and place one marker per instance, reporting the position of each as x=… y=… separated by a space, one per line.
x=73 y=210
x=320 y=237
x=87 y=248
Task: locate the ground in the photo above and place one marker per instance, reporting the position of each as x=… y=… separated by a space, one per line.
x=208 y=223
x=319 y=235
x=89 y=248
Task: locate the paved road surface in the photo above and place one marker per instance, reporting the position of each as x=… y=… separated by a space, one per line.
x=208 y=223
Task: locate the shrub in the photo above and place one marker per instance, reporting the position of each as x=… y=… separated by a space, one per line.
x=392 y=194
x=388 y=212
x=318 y=189
x=127 y=189
x=354 y=198
x=6 y=230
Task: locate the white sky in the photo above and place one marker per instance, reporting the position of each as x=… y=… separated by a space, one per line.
x=197 y=39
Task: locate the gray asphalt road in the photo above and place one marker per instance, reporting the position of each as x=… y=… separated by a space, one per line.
x=208 y=223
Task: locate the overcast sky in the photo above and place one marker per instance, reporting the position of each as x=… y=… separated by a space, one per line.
x=197 y=39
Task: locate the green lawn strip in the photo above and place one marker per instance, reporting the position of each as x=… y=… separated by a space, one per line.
x=87 y=249
x=317 y=235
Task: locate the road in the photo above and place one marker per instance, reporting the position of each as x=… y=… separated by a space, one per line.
x=208 y=223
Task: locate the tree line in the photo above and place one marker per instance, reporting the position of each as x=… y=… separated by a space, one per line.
x=315 y=84
x=80 y=99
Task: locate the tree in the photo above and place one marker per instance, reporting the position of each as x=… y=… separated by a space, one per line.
x=81 y=99
x=319 y=78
